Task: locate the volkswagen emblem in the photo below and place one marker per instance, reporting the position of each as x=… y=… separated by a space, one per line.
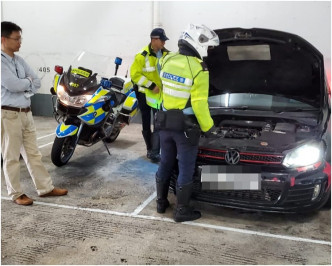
x=232 y=157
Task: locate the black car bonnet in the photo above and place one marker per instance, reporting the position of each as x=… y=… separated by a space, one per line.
x=268 y=62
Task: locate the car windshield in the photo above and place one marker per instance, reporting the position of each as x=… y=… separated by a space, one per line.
x=252 y=101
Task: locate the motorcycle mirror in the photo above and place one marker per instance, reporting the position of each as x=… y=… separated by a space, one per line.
x=118 y=61
x=58 y=69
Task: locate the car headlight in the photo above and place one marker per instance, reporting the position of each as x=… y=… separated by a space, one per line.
x=305 y=155
x=75 y=101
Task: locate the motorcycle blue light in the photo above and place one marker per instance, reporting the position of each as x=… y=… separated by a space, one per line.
x=106 y=83
x=118 y=61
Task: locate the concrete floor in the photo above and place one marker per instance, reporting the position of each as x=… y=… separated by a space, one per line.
x=109 y=217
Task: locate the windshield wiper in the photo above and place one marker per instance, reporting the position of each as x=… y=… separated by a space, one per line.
x=230 y=107
x=276 y=110
x=299 y=109
x=244 y=107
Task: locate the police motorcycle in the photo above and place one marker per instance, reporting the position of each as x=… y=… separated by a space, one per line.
x=88 y=106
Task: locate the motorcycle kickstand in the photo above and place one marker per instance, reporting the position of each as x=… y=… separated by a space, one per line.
x=106 y=147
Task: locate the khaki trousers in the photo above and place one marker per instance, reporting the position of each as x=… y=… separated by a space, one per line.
x=18 y=135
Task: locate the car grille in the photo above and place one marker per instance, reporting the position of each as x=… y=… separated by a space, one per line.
x=265 y=195
x=300 y=195
x=245 y=157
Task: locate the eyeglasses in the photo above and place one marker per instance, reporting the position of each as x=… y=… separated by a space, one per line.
x=16 y=39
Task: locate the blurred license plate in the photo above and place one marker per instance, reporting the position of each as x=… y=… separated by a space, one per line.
x=237 y=177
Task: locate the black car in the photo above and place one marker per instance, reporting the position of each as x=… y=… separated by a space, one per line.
x=269 y=97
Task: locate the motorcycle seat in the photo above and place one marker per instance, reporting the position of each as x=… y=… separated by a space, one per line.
x=117 y=83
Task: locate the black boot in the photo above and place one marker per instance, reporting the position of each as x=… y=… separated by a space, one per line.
x=162 y=193
x=183 y=211
x=155 y=150
x=147 y=138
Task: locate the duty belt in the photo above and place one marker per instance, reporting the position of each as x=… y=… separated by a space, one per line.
x=16 y=109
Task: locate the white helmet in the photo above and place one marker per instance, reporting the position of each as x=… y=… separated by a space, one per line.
x=200 y=38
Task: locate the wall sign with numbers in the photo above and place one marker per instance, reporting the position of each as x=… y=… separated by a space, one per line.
x=44 y=69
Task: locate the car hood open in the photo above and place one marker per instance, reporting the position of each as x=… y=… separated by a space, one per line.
x=266 y=61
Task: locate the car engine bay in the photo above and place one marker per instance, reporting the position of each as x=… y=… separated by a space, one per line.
x=246 y=129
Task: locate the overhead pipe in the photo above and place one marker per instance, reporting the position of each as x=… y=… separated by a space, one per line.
x=156 y=15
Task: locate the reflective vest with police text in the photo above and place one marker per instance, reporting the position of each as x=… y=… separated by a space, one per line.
x=186 y=78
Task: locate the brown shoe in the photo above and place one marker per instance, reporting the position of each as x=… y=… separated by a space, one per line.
x=56 y=192
x=23 y=200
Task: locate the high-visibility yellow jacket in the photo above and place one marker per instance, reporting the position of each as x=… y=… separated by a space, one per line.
x=145 y=74
x=186 y=78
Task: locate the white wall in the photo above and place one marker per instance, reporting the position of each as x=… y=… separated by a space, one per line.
x=54 y=32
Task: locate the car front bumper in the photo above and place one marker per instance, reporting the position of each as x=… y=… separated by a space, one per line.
x=280 y=191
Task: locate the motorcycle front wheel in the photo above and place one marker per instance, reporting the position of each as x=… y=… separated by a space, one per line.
x=62 y=150
x=114 y=135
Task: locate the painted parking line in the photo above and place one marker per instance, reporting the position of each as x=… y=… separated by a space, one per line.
x=46 y=136
x=42 y=146
x=42 y=137
x=144 y=204
x=204 y=225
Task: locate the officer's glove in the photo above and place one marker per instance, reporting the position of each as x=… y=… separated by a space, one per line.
x=212 y=133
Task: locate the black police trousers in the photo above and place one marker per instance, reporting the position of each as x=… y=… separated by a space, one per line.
x=176 y=147
x=145 y=111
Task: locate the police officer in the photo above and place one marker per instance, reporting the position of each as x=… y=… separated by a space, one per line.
x=144 y=73
x=185 y=80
